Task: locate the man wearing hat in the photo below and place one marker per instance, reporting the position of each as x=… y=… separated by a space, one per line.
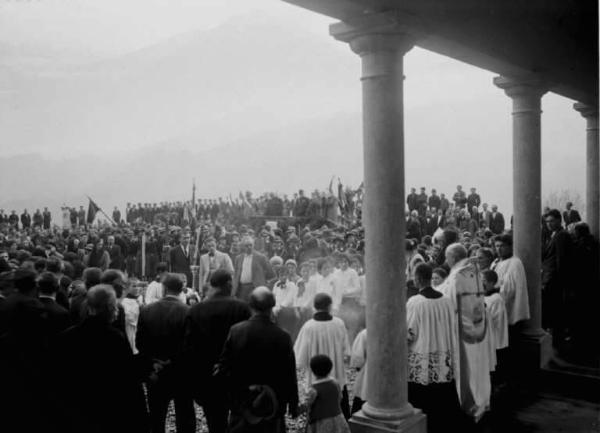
x=259 y=367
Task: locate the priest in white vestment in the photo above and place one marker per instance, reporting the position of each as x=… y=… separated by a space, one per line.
x=512 y=280
x=477 y=348
x=324 y=335
x=358 y=360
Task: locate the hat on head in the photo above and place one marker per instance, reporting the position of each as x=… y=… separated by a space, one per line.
x=291 y=262
x=260 y=404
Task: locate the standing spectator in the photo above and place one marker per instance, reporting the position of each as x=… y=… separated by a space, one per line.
x=47 y=218
x=160 y=336
x=131 y=310
x=473 y=200
x=116 y=215
x=258 y=364
x=38 y=219
x=212 y=261
x=496 y=221
x=95 y=372
x=117 y=261
x=459 y=198
x=325 y=335
x=485 y=216
x=570 y=215
x=57 y=316
x=444 y=203
x=13 y=219
x=25 y=219
x=81 y=217
x=413 y=227
x=422 y=202
x=97 y=256
x=412 y=200
x=301 y=205
x=180 y=257
x=207 y=326
x=252 y=269
x=434 y=200
x=556 y=277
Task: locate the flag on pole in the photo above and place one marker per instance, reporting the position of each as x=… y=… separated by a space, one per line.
x=93 y=209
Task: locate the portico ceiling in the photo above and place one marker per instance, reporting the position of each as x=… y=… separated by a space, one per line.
x=555 y=40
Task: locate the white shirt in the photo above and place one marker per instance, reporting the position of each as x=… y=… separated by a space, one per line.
x=348 y=283
x=246 y=274
x=329 y=285
x=154 y=292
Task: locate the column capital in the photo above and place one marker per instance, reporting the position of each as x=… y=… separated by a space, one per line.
x=586 y=110
x=375 y=33
x=521 y=86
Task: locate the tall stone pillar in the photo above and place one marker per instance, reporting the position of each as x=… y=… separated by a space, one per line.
x=526 y=95
x=387 y=408
x=592 y=191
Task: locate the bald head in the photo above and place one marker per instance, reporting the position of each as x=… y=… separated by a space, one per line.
x=102 y=302
x=262 y=300
x=455 y=253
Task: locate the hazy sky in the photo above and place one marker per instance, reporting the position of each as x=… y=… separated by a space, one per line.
x=458 y=125
x=116 y=26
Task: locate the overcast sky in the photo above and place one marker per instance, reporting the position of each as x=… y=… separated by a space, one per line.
x=458 y=125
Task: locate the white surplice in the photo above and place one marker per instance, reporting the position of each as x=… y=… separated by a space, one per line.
x=513 y=288
x=497 y=310
x=358 y=360
x=432 y=343
x=323 y=337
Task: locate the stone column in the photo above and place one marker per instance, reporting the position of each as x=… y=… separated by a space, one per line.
x=592 y=192
x=526 y=95
x=387 y=408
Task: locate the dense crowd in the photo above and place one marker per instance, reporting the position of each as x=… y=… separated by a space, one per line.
x=220 y=302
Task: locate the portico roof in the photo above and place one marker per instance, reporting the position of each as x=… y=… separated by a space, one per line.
x=555 y=40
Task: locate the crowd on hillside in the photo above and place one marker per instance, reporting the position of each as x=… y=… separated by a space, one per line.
x=104 y=325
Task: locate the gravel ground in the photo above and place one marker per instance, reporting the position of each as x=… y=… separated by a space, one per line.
x=293 y=425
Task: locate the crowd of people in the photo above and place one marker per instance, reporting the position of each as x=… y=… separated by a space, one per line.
x=221 y=303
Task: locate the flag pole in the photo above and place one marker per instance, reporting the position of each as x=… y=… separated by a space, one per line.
x=103 y=213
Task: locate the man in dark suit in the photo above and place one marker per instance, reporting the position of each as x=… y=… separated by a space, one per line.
x=252 y=269
x=207 y=327
x=180 y=257
x=556 y=267
x=412 y=200
x=117 y=261
x=96 y=377
x=496 y=221
x=434 y=200
x=159 y=338
x=413 y=227
x=47 y=218
x=570 y=215
x=259 y=353
x=25 y=219
x=116 y=215
x=57 y=317
x=473 y=200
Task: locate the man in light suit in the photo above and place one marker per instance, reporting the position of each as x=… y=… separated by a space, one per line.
x=252 y=269
x=212 y=261
x=180 y=257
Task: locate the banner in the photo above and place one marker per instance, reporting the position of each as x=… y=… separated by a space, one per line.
x=93 y=209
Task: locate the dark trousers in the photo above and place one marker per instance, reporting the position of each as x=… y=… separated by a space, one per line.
x=160 y=395
x=345 y=403
x=439 y=401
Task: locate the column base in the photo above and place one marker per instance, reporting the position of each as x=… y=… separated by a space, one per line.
x=413 y=423
x=535 y=349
